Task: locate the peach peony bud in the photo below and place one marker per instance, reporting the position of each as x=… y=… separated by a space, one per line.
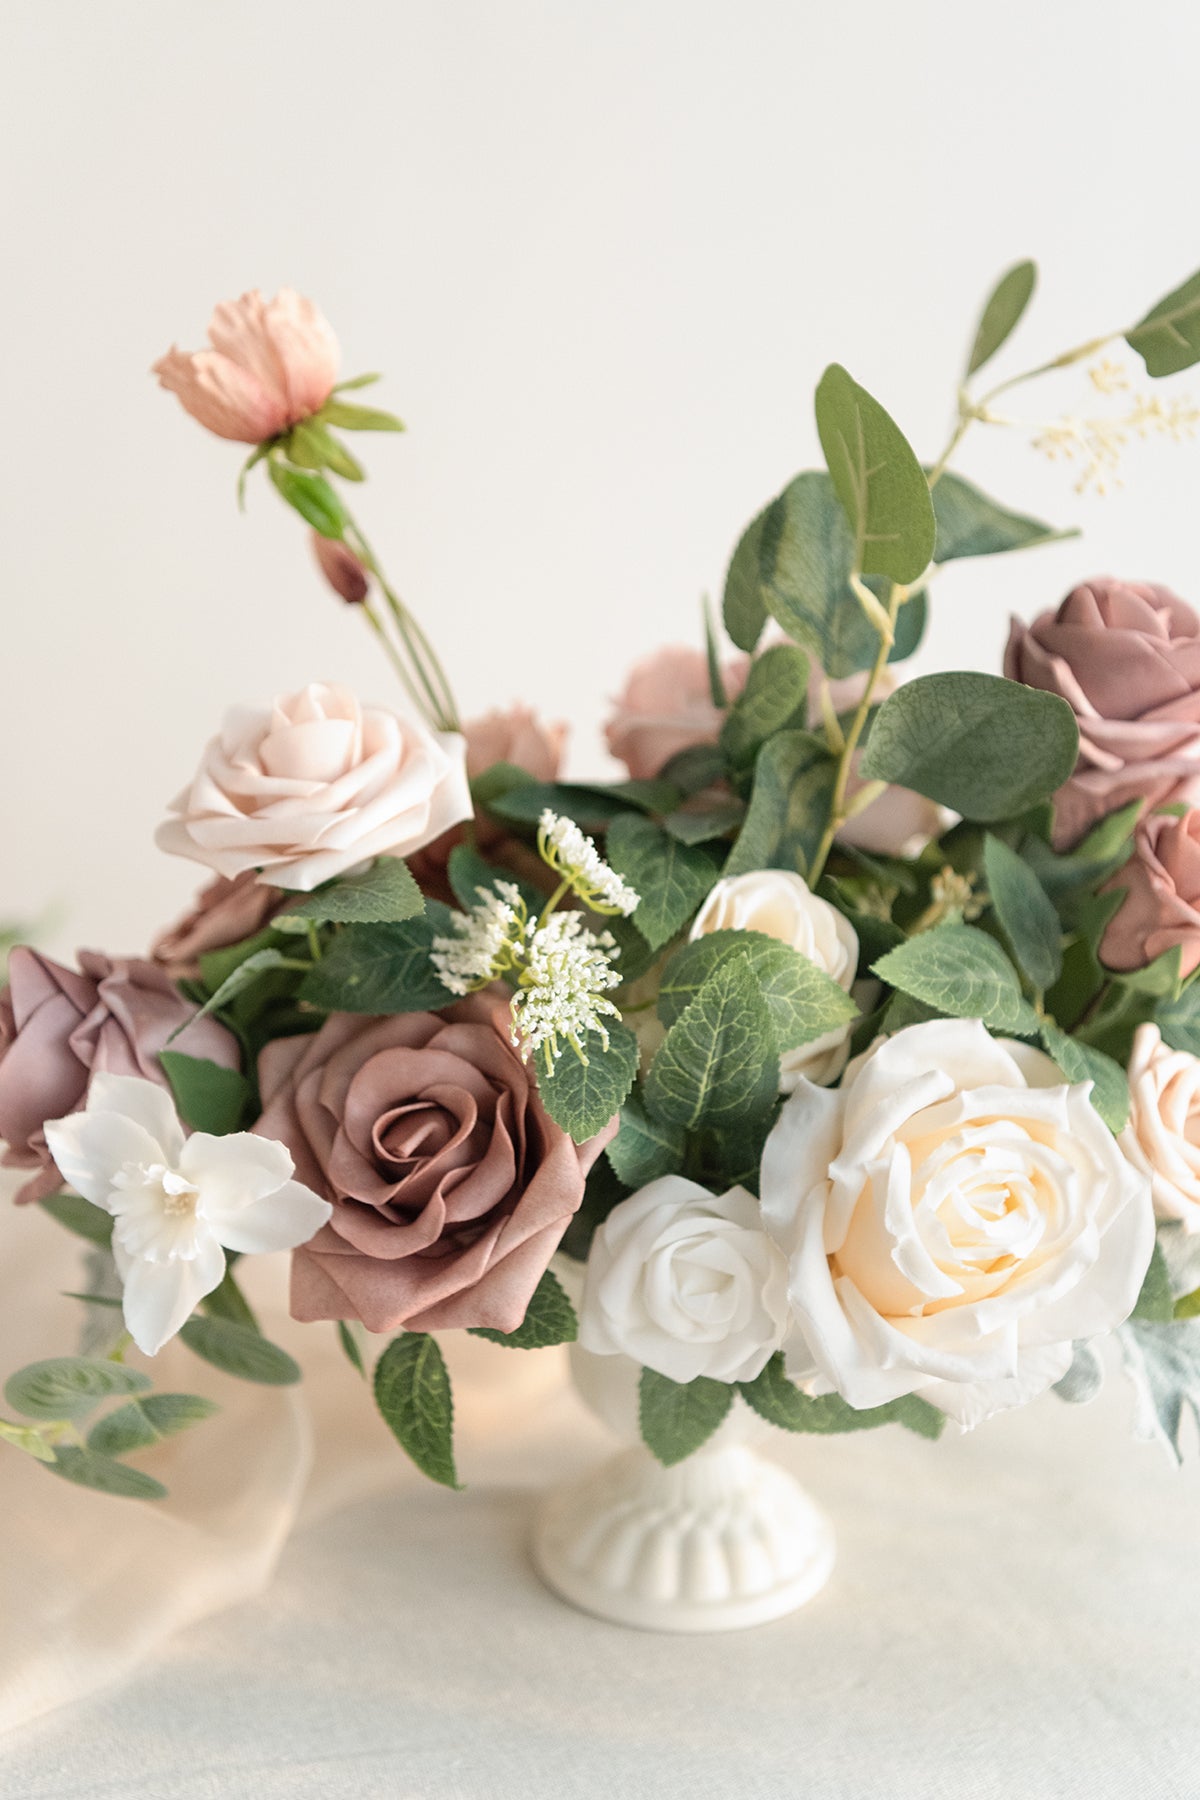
x=341 y=568
x=272 y=364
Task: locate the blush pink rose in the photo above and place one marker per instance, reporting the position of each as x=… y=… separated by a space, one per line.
x=1126 y=656
x=60 y=1026
x=224 y=913
x=315 y=784
x=272 y=364
x=666 y=707
x=1161 y=907
x=451 y=1187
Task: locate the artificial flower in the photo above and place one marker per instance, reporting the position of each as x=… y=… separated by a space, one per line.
x=1161 y=885
x=1162 y=1138
x=780 y=905
x=343 y=571
x=954 y=1216
x=666 y=706
x=177 y=1203
x=224 y=912
x=314 y=785
x=685 y=1282
x=272 y=364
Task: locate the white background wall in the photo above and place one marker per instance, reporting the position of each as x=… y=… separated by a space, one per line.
x=603 y=249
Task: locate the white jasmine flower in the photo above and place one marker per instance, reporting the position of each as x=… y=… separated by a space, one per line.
x=567 y=971
x=575 y=857
x=177 y=1203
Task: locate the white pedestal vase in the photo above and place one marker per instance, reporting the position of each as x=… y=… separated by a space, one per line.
x=722 y=1540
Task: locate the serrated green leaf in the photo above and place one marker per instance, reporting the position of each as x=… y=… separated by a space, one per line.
x=238 y=1350
x=69 y=1387
x=877 y=477
x=591 y=806
x=1026 y=915
x=960 y=971
x=263 y=962
x=633 y=956
x=384 y=894
x=1155 y=1300
x=79 y=1216
x=775 y=695
x=702 y=824
x=670 y=878
x=677 y=1417
x=1083 y=1062
x=780 y=1402
x=549 y=1319
x=789 y=803
x=311 y=496
x=209 y=1098
x=468 y=872
x=804 y=1001
x=140 y=1423
x=1179 y=1019
x=1002 y=311
x=644 y=1147
x=719 y=1060
x=1168 y=338
x=971 y=524
x=412 y=1392
x=381 y=968
x=988 y=747
x=582 y=1097
x=350 y=417
x=87 y=1469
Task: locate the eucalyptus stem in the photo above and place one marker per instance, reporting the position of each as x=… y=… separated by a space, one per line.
x=838 y=810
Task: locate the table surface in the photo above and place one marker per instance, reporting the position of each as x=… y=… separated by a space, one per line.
x=1013 y=1617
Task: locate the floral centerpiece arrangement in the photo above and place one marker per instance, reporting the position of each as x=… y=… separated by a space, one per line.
x=839 y=1066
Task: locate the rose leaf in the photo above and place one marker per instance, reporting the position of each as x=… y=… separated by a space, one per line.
x=676 y=1417
x=412 y=1392
x=583 y=1096
x=549 y=1319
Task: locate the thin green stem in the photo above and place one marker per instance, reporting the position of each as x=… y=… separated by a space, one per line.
x=438 y=701
x=838 y=811
x=563 y=888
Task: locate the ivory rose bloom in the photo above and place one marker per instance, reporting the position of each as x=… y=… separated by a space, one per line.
x=1161 y=908
x=954 y=1217
x=1162 y=1138
x=1126 y=657
x=272 y=364
x=685 y=1283
x=666 y=706
x=313 y=785
x=780 y=905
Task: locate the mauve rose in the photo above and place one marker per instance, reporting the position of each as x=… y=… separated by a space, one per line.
x=224 y=913
x=1161 y=907
x=60 y=1026
x=1126 y=656
x=272 y=364
x=666 y=707
x=451 y=1187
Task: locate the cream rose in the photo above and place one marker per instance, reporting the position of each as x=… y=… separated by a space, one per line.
x=1162 y=1138
x=954 y=1217
x=685 y=1283
x=315 y=784
x=780 y=905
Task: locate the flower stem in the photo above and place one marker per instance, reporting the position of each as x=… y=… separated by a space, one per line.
x=838 y=809
x=436 y=698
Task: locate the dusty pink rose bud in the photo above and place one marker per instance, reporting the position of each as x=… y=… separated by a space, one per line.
x=1126 y=656
x=667 y=707
x=272 y=364
x=224 y=913
x=1162 y=896
x=341 y=568
x=450 y=1185
x=59 y=1026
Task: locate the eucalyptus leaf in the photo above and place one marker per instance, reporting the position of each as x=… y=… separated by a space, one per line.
x=381 y=968
x=583 y=1096
x=676 y=1417
x=77 y=1215
x=877 y=477
x=775 y=695
x=384 y=894
x=743 y=607
x=238 y=1350
x=961 y=971
x=1026 y=914
x=146 y=1421
x=644 y=1148
x=670 y=877
x=209 y=1097
x=971 y=524
x=549 y=1319
x=794 y=777
x=88 y=1469
x=1168 y=338
x=412 y=1392
x=804 y=1001
x=1002 y=312
x=69 y=1387
x=719 y=1060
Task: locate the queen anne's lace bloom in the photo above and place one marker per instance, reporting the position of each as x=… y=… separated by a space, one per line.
x=573 y=855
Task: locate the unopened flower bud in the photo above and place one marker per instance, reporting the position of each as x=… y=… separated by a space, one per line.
x=341 y=568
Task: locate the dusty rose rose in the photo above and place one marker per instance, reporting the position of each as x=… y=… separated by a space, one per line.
x=272 y=364
x=899 y=822
x=1162 y=895
x=450 y=1186
x=224 y=913
x=341 y=568
x=1126 y=656
x=315 y=784
x=667 y=707
x=59 y=1026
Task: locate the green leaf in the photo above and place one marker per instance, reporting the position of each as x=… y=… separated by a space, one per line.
x=1162 y=978
x=356 y=381
x=1102 y=852
x=719 y=1061
x=27 y=1438
x=697 y=767
x=778 y=1401
x=591 y=806
x=671 y=878
x=412 y=1391
x=381 y=968
x=582 y=1097
x=633 y=956
x=1163 y=1362
x=311 y=496
x=961 y=971
x=314 y=447
x=226 y=1301
x=238 y=1350
x=1026 y=915
x=775 y=694
x=1005 y=304
x=644 y=1147
x=351 y=1348
x=77 y=1215
x=804 y=1002
x=1179 y=1020
x=109 y=1300
x=140 y=1423
x=549 y=1319
x=87 y=1469
x=242 y=977
x=1155 y=1301
x=1082 y=1062
x=68 y=1387
x=677 y=1417
x=384 y=894
x=1168 y=338
x=970 y=524
x=743 y=606
x=702 y=824
x=468 y=872
x=209 y=1097
x=988 y=747
x=350 y=417
x=789 y=804
x=880 y=483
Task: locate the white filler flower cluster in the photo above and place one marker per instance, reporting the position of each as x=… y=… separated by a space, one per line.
x=575 y=857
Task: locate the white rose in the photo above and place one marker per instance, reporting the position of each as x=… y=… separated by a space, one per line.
x=1162 y=1138
x=780 y=905
x=954 y=1217
x=685 y=1283
x=314 y=785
